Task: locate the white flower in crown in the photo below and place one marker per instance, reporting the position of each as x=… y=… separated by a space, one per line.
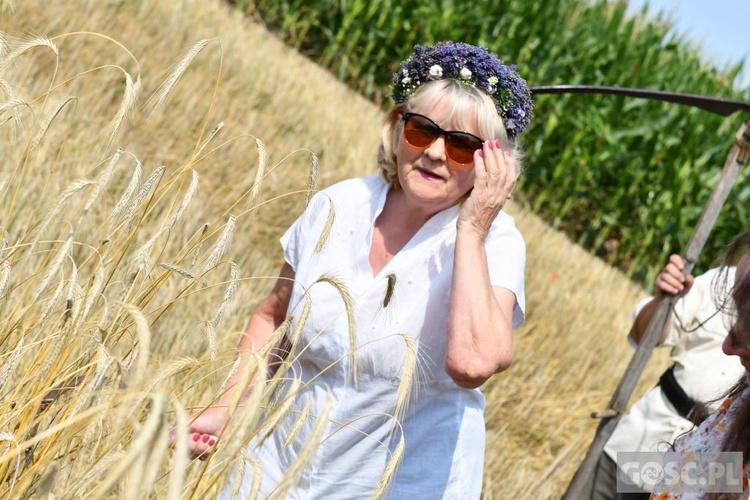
x=465 y=73
x=436 y=71
x=406 y=80
x=492 y=81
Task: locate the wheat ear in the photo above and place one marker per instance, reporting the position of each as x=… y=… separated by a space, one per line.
x=234 y=278
x=38 y=41
x=390 y=470
x=45 y=124
x=312 y=178
x=54 y=267
x=130 y=190
x=326 y=229
x=157 y=101
x=140 y=444
x=218 y=249
x=262 y=162
x=4 y=279
x=180 y=463
x=407 y=378
x=9 y=438
x=293 y=473
x=132 y=87
x=143 y=335
x=349 y=308
x=102 y=181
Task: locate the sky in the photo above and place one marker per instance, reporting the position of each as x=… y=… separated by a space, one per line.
x=722 y=27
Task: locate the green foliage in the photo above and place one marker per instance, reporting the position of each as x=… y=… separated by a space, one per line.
x=626 y=178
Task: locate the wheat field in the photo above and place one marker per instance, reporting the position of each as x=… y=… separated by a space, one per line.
x=152 y=155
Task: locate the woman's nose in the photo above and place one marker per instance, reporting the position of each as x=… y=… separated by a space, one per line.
x=436 y=150
x=731 y=348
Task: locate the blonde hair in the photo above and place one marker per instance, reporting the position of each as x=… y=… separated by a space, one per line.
x=467 y=103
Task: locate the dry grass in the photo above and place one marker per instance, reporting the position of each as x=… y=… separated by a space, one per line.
x=142 y=193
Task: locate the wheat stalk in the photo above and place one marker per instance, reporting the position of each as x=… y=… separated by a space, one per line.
x=10 y=364
x=293 y=473
x=157 y=101
x=127 y=105
x=180 y=463
x=213 y=349
x=262 y=161
x=94 y=292
x=142 y=194
x=54 y=267
x=12 y=103
x=189 y=195
x=4 y=279
x=215 y=131
x=312 y=178
x=326 y=228
x=61 y=201
x=127 y=195
x=390 y=469
x=295 y=429
x=274 y=417
x=228 y=294
x=302 y=319
x=177 y=269
x=239 y=476
x=172 y=368
x=105 y=463
x=9 y=438
x=197 y=251
x=140 y=444
x=351 y=320
x=217 y=250
x=143 y=335
x=407 y=377
x=102 y=181
x=52 y=302
x=22 y=48
x=45 y=124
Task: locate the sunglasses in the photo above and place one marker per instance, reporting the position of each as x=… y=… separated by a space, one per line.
x=420 y=132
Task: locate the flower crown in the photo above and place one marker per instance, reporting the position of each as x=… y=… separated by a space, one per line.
x=470 y=65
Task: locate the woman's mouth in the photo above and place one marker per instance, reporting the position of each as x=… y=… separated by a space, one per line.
x=428 y=174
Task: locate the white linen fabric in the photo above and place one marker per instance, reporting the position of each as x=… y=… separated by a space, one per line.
x=697 y=330
x=355 y=387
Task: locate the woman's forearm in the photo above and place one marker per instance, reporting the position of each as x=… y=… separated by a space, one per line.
x=479 y=325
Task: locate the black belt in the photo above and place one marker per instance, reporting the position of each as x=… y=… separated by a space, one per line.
x=683 y=403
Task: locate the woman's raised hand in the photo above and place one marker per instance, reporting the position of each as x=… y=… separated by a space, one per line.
x=495 y=175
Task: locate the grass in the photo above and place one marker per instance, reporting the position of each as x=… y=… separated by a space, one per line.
x=153 y=154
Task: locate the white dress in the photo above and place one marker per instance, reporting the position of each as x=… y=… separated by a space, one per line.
x=441 y=424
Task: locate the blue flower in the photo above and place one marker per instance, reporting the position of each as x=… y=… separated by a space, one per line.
x=470 y=65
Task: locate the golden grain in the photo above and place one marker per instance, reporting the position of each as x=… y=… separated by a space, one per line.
x=220 y=246
x=260 y=172
x=157 y=101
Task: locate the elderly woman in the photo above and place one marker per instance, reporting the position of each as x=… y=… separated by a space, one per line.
x=404 y=289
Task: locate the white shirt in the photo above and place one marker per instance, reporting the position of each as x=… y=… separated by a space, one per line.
x=442 y=424
x=703 y=371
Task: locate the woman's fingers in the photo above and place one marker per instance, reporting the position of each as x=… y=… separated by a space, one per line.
x=201 y=445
